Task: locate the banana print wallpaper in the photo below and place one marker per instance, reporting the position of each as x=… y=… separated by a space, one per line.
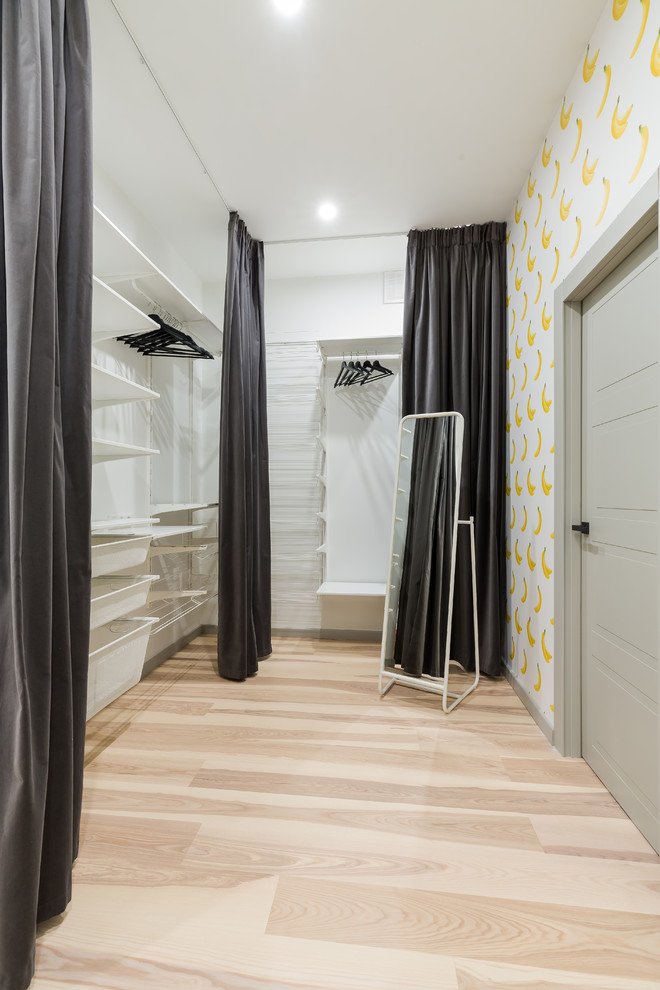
x=600 y=147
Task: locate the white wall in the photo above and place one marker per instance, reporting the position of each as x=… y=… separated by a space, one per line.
x=298 y=313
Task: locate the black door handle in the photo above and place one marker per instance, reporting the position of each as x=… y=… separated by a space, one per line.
x=582 y=527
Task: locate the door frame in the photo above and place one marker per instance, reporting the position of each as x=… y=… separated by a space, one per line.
x=637 y=221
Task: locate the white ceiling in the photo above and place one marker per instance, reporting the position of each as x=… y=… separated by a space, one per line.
x=406 y=113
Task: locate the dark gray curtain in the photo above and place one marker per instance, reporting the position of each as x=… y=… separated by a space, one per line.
x=454 y=358
x=421 y=628
x=45 y=461
x=244 y=516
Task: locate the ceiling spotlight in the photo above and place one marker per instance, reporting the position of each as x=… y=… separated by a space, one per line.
x=288 y=8
x=327 y=211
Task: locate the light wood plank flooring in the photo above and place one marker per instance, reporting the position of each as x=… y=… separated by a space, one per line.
x=296 y=831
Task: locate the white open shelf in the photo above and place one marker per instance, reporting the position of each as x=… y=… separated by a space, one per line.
x=109 y=388
x=120 y=262
x=165 y=507
x=113 y=315
x=110 y=450
x=162 y=532
x=123 y=523
x=357 y=588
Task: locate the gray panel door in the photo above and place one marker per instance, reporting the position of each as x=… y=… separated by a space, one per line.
x=620 y=733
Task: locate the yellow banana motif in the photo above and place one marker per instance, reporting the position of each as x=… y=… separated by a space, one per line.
x=530 y=186
x=554 y=274
x=588 y=171
x=508 y=236
x=508 y=300
x=644 y=131
x=508 y=365
x=518 y=488
x=524 y=382
x=513 y=322
x=547 y=655
x=518 y=281
x=513 y=390
x=531 y=639
x=513 y=516
x=545 y=155
x=538 y=370
x=537 y=686
x=518 y=349
x=537 y=607
x=565 y=115
x=518 y=626
x=524 y=525
x=619 y=124
x=546 y=403
x=538 y=291
x=552 y=449
x=518 y=557
x=522 y=315
x=546 y=570
x=508 y=427
x=530 y=487
x=507 y=489
x=655 y=57
x=518 y=212
x=618 y=7
x=547 y=320
x=523 y=457
x=530 y=261
x=508 y=617
x=531 y=563
x=538 y=528
x=538 y=215
x=645 y=14
x=545 y=238
x=608 y=78
x=538 y=449
x=606 y=185
x=587 y=66
x=524 y=597
x=513 y=650
x=513 y=583
x=523 y=669
x=522 y=246
x=579 y=138
x=554 y=188
x=546 y=486
x=577 y=239
x=564 y=208
x=518 y=420
x=513 y=256
x=531 y=413
x=513 y=457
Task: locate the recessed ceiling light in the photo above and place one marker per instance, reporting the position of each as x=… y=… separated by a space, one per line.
x=327 y=211
x=288 y=8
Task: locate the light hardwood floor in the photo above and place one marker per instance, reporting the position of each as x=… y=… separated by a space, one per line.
x=295 y=831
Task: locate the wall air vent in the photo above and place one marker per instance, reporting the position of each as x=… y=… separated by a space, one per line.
x=393 y=283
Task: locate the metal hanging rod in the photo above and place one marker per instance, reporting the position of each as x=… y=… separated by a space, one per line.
x=337 y=237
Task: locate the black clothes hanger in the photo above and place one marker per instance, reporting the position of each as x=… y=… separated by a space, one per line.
x=165 y=342
x=340 y=375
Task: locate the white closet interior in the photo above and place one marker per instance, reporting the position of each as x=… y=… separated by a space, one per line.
x=154 y=476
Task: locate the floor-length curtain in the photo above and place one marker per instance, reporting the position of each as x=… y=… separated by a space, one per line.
x=454 y=358
x=425 y=573
x=244 y=600
x=45 y=460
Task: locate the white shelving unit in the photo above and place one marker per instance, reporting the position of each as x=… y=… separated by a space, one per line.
x=363 y=589
x=126 y=284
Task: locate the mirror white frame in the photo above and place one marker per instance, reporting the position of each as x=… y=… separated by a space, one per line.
x=389 y=675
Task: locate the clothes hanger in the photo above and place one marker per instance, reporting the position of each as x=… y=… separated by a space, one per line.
x=166 y=341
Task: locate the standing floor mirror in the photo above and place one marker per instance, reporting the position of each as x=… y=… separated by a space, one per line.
x=419 y=602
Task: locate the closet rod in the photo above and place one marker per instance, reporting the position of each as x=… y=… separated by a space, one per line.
x=338 y=237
